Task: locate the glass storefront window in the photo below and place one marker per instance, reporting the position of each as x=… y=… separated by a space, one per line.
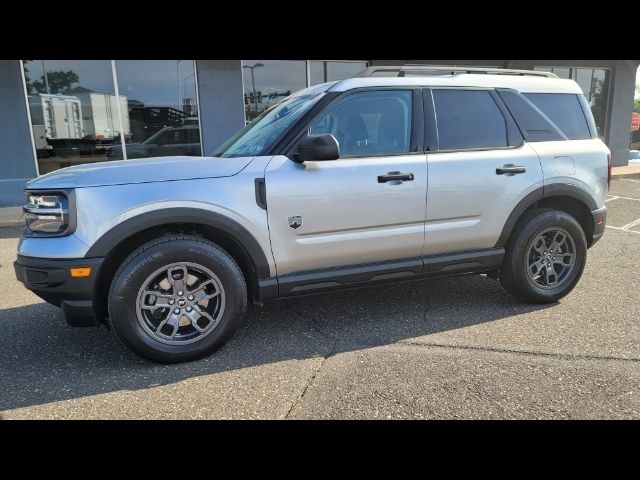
x=598 y=97
x=594 y=82
x=74 y=104
x=161 y=113
x=73 y=111
x=321 y=71
x=266 y=82
x=562 y=72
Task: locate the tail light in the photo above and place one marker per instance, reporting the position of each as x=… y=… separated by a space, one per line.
x=609 y=171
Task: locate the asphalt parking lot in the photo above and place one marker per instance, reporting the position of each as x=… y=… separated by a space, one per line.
x=449 y=348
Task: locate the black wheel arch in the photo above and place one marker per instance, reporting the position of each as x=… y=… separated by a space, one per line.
x=566 y=197
x=118 y=242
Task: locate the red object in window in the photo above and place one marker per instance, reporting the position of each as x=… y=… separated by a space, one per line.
x=635 y=121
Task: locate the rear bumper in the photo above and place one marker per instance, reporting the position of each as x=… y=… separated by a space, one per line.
x=599 y=223
x=50 y=280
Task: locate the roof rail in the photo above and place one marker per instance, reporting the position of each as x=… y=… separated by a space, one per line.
x=403 y=70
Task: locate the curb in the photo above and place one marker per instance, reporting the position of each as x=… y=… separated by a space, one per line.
x=625 y=175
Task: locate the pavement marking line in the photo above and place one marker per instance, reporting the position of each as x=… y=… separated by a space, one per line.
x=622 y=229
x=631 y=224
x=624 y=198
x=611 y=199
x=628 y=180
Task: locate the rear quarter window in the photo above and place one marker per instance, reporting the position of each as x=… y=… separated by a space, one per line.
x=565 y=111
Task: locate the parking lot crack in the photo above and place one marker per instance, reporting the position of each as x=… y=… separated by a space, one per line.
x=565 y=356
x=332 y=349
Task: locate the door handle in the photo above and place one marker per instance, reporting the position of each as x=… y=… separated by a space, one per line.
x=510 y=169
x=395 y=177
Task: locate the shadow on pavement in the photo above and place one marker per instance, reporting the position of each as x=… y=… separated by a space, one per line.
x=43 y=360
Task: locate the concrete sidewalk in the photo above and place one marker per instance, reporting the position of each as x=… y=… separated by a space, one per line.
x=630 y=171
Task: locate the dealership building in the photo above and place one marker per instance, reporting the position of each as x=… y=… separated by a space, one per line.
x=58 y=113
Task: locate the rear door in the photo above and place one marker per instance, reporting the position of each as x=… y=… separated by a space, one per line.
x=479 y=171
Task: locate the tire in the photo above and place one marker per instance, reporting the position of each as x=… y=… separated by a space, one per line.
x=529 y=250
x=136 y=315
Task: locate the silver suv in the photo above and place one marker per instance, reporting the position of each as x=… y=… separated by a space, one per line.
x=397 y=174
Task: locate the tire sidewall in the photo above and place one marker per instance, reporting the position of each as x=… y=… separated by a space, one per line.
x=129 y=279
x=517 y=253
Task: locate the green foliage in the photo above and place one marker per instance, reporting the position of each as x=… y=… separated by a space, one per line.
x=59 y=82
x=636 y=101
x=27 y=80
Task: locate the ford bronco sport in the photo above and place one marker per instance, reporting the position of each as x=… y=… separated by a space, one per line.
x=397 y=174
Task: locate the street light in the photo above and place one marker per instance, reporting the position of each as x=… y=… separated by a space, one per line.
x=253 y=82
x=178 y=78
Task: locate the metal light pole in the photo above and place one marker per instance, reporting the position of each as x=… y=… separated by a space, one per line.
x=46 y=79
x=253 y=82
x=178 y=78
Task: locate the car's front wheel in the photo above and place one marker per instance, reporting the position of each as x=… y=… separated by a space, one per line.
x=545 y=256
x=177 y=298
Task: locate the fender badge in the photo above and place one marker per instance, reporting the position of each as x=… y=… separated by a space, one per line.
x=295 y=221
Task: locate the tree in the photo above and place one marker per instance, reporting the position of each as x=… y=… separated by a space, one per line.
x=599 y=103
x=59 y=81
x=27 y=80
x=636 y=101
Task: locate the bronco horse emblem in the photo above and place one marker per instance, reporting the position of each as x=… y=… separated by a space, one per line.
x=295 y=221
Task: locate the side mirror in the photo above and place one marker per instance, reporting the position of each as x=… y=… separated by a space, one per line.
x=318 y=147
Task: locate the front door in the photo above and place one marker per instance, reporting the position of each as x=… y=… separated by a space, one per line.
x=367 y=206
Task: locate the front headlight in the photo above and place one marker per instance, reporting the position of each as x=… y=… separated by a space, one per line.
x=47 y=213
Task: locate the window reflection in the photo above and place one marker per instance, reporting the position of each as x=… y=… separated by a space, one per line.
x=161 y=109
x=266 y=82
x=73 y=111
x=329 y=71
x=594 y=82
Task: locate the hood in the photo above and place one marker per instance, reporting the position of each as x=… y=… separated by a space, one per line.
x=144 y=170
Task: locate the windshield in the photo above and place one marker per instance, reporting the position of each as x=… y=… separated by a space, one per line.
x=260 y=135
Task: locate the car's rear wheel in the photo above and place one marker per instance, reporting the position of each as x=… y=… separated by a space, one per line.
x=177 y=298
x=544 y=257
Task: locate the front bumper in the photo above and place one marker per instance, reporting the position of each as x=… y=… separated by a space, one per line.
x=599 y=224
x=51 y=280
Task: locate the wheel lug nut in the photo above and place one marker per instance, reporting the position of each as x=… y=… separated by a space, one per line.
x=176 y=311
x=189 y=308
x=190 y=297
x=172 y=301
x=180 y=293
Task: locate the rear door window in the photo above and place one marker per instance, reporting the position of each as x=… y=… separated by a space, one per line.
x=468 y=119
x=565 y=111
